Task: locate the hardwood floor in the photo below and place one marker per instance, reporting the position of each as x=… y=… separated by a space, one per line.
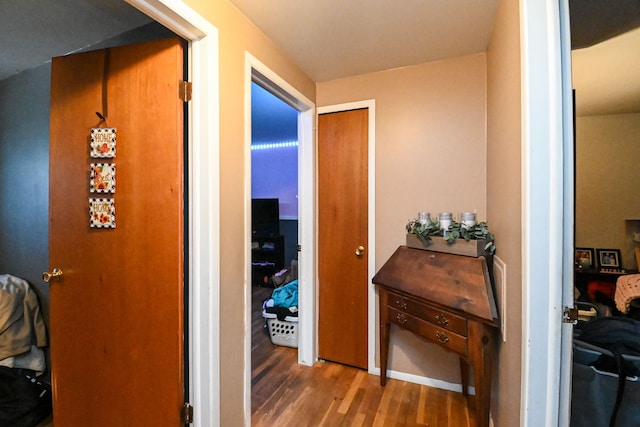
x=328 y=394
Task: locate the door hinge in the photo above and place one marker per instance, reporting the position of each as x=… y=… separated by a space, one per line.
x=187 y=413
x=184 y=90
x=570 y=315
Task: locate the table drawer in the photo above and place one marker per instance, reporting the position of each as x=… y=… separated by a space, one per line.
x=438 y=335
x=441 y=318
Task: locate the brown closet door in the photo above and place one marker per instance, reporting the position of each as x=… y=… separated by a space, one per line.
x=342 y=229
x=117 y=311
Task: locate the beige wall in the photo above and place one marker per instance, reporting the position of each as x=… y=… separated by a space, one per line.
x=237 y=35
x=504 y=199
x=442 y=144
x=607 y=176
x=430 y=156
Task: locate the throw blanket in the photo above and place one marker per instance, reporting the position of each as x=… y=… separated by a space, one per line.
x=286 y=296
x=21 y=323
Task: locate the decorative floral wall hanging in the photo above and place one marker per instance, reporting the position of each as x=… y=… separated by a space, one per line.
x=103 y=142
x=102 y=213
x=103 y=178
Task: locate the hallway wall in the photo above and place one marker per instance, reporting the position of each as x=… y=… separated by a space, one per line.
x=504 y=206
x=430 y=156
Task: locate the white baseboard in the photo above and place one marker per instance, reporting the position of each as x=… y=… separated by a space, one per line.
x=417 y=379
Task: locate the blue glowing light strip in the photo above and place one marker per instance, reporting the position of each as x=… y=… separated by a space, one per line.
x=270 y=145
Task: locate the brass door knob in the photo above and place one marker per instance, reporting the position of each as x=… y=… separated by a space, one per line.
x=360 y=250
x=48 y=276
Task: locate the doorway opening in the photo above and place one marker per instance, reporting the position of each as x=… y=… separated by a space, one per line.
x=274 y=186
x=296 y=201
x=203 y=201
x=274 y=233
x=606 y=121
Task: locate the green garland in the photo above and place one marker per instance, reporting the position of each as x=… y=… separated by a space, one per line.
x=456 y=230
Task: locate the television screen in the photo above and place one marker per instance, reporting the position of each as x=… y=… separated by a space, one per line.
x=265 y=217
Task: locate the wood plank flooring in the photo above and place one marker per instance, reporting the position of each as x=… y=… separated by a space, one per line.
x=328 y=394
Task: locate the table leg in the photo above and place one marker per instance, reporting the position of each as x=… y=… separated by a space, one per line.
x=384 y=336
x=480 y=354
x=464 y=376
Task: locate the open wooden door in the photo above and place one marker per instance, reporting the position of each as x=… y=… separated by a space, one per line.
x=343 y=140
x=116 y=322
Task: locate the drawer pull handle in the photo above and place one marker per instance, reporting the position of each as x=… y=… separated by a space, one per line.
x=401 y=303
x=442 y=337
x=401 y=318
x=442 y=320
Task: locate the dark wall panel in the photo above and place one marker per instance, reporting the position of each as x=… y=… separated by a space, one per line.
x=24 y=177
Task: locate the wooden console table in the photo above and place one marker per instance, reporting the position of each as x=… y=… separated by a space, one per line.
x=447 y=299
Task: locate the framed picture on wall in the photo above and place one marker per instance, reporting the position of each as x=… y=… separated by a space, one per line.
x=608 y=258
x=584 y=258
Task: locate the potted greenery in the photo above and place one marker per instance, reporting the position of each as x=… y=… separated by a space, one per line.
x=429 y=235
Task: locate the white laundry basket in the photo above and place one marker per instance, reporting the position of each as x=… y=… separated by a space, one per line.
x=282 y=332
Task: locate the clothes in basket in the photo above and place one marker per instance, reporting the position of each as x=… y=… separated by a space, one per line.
x=281 y=315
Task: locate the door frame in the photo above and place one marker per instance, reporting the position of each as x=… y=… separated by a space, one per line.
x=370 y=104
x=256 y=71
x=547 y=212
x=568 y=243
x=203 y=257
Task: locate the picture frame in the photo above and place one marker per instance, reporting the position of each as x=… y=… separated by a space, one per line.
x=609 y=258
x=102 y=213
x=103 y=178
x=103 y=143
x=585 y=258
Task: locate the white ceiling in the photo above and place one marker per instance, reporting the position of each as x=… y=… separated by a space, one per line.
x=330 y=39
x=606 y=76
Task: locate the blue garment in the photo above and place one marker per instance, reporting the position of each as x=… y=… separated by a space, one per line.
x=286 y=296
